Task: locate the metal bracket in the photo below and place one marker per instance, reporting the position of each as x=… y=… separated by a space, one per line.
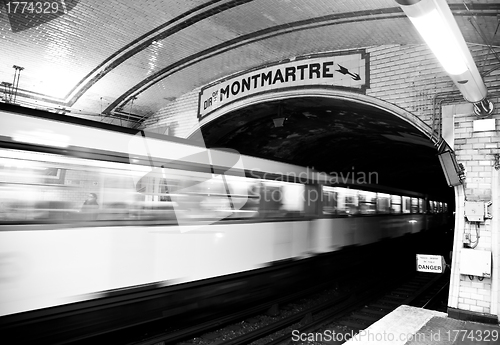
x=487 y=215
x=483 y=108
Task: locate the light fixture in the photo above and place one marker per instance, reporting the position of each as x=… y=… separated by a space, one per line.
x=279 y=121
x=437 y=26
x=15 y=84
x=454 y=172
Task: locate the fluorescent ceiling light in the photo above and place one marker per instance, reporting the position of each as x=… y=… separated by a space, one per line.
x=437 y=26
x=441 y=41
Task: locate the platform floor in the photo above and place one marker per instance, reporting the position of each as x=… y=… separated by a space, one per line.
x=415 y=326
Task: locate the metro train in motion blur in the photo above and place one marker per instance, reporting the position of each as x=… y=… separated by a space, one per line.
x=169 y=214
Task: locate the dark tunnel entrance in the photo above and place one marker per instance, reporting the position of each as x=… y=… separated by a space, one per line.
x=337 y=136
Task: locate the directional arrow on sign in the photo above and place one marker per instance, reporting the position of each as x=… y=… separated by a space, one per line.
x=344 y=70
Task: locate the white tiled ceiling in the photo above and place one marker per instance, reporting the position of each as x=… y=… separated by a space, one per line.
x=92 y=57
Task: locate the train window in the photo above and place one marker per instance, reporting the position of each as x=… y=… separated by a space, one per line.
x=243 y=195
x=433 y=206
x=154 y=188
x=341 y=195
x=421 y=203
x=395 y=204
x=367 y=197
x=367 y=202
x=164 y=190
x=329 y=200
x=347 y=200
x=55 y=188
x=45 y=187
x=277 y=198
x=221 y=197
x=383 y=203
x=214 y=198
x=414 y=205
x=406 y=204
x=293 y=198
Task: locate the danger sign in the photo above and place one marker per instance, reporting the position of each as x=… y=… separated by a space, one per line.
x=430 y=263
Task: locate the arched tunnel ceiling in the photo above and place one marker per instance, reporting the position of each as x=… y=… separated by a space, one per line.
x=345 y=138
x=121 y=61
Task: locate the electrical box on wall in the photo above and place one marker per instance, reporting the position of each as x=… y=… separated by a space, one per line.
x=475 y=262
x=474 y=211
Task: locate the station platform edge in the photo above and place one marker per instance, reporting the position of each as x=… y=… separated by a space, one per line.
x=416 y=326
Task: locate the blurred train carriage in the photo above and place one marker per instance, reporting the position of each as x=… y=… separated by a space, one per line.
x=170 y=212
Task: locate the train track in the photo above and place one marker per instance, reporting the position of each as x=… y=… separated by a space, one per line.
x=350 y=312
x=363 y=312
x=417 y=291
x=171 y=337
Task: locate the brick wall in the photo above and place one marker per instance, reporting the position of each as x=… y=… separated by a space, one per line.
x=180 y=116
x=476 y=151
x=407 y=76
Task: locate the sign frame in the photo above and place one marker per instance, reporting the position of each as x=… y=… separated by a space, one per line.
x=346 y=70
x=430 y=263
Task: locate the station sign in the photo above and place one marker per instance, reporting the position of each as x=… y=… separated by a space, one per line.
x=347 y=70
x=430 y=263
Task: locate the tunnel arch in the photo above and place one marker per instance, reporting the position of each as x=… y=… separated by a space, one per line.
x=332 y=130
x=407 y=116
